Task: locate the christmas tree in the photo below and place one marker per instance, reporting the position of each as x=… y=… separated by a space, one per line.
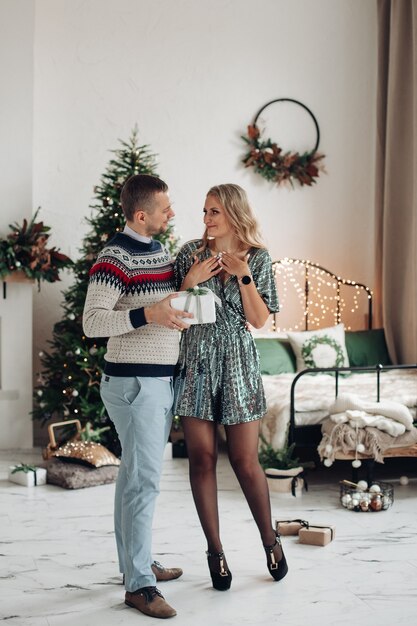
x=69 y=385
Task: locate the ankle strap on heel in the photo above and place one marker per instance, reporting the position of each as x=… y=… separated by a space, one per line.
x=220 y=556
x=277 y=541
x=270 y=552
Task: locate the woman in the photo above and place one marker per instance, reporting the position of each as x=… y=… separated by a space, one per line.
x=218 y=379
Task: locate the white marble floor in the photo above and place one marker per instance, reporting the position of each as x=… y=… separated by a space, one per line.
x=58 y=562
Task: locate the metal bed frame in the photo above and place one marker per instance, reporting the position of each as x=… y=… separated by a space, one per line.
x=309 y=267
x=336 y=371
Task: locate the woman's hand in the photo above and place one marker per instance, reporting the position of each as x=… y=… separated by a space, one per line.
x=256 y=311
x=234 y=265
x=201 y=271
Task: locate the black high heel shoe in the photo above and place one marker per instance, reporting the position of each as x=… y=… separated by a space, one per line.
x=277 y=569
x=222 y=578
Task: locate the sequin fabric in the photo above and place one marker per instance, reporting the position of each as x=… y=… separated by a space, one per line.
x=218 y=377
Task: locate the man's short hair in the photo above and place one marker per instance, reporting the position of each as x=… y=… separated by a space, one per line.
x=138 y=194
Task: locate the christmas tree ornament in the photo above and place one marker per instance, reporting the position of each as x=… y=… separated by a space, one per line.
x=376 y=503
x=362 y=485
x=375 y=488
x=346 y=498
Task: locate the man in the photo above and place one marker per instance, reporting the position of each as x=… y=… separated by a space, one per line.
x=127 y=301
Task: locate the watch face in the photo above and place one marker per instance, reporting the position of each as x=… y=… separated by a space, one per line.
x=246 y=280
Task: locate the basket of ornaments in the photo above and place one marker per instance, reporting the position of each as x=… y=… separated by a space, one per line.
x=360 y=496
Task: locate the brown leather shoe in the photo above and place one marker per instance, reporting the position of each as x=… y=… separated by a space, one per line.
x=165 y=573
x=150 y=601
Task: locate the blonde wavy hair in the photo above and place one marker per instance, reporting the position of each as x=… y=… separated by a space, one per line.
x=239 y=214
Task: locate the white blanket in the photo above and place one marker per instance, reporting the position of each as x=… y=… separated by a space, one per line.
x=360 y=419
x=362 y=410
x=315 y=395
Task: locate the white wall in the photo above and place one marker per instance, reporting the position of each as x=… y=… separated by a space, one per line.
x=16 y=129
x=192 y=74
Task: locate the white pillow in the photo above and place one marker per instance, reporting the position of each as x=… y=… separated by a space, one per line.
x=320 y=348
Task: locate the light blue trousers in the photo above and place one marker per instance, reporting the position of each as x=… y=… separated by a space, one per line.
x=140 y=409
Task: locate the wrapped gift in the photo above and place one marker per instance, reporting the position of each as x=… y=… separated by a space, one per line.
x=27 y=475
x=286 y=481
x=290 y=527
x=317 y=535
x=201 y=302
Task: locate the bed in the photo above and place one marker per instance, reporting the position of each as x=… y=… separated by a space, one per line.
x=300 y=396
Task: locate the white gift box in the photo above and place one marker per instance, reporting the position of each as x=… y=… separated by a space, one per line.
x=200 y=302
x=27 y=479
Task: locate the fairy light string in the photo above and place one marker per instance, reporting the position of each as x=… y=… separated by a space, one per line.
x=317 y=292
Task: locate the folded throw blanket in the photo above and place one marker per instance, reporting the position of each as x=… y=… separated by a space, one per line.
x=343 y=438
x=361 y=419
x=386 y=408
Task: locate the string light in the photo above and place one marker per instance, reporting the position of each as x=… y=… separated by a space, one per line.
x=317 y=293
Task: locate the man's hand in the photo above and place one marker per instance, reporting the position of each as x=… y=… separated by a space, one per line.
x=164 y=314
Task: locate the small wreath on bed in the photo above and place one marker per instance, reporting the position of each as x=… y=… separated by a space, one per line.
x=269 y=160
x=310 y=345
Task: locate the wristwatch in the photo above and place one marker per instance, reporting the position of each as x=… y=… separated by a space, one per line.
x=245 y=280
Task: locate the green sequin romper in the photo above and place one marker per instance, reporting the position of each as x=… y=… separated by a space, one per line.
x=218 y=377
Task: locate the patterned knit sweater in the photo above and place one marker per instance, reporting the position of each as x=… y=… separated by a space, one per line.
x=128 y=276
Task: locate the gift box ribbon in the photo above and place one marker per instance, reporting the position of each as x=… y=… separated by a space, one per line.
x=294 y=481
x=310 y=526
x=197 y=292
x=23 y=467
x=302 y=522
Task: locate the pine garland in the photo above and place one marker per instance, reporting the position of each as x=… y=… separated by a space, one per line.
x=25 y=250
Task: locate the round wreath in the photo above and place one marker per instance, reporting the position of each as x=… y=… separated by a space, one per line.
x=269 y=160
x=311 y=344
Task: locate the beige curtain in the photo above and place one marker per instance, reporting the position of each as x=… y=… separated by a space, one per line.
x=396 y=178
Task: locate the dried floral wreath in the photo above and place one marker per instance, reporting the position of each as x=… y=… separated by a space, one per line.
x=24 y=250
x=269 y=160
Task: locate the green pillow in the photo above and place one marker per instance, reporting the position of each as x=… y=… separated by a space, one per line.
x=275 y=356
x=367 y=347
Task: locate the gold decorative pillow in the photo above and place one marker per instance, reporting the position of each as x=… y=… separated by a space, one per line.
x=86 y=452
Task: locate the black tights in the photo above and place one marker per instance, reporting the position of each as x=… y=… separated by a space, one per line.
x=242 y=448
